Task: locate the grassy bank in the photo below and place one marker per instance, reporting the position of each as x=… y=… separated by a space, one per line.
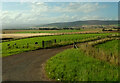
x=109 y=47
x=104 y=49
x=74 y=65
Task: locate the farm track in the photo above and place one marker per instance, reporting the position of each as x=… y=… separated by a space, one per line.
x=27 y=66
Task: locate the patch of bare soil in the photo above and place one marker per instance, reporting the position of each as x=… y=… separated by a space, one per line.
x=22 y=35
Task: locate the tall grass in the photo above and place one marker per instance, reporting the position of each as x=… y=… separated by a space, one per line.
x=104 y=49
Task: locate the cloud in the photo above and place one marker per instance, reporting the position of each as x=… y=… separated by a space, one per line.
x=41 y=13
x=38 y=7
x=71 y=7
x=78 y=7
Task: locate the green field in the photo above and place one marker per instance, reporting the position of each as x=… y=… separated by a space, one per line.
x=50 y=31
x=109 y=47
x=21 y=44
x=74 y=65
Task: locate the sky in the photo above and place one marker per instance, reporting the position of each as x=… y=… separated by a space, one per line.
x=30 y=13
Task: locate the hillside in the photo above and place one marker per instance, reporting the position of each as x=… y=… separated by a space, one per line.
x=79 y=23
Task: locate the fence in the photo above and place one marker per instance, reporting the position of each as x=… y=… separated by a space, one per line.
x=44 y=44
x=49 y=43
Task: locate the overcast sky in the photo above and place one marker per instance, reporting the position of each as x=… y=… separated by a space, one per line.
x=42 y=13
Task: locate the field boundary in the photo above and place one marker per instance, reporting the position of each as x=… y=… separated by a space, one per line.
x=98 y=53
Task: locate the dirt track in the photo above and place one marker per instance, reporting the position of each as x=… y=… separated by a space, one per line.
x=27 y=66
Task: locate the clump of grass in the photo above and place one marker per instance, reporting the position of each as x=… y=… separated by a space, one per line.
x=74 y=65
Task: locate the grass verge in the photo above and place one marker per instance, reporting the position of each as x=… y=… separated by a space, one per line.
x=74 y=65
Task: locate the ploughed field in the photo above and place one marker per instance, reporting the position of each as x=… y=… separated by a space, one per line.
x=27 y=44
x=84 y=64
x=23 y=35
x=34 y=33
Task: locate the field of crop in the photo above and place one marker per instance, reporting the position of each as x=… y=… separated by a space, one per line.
x=75 y=65
x=47 y=31
x=27 y=44
x=51 y=31
x=109 y=47
x=39 y=31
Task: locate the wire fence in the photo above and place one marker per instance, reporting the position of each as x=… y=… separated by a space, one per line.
x=44 y=44
x=50 y=43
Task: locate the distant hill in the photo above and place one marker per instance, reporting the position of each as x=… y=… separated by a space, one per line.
x=79 y=23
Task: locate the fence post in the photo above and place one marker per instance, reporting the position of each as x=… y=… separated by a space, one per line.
x=98 y=50
x=74 y=45
x=50 y=43
x=43 y=44
x=27 y=45
x=55 y=40
x=17 y=47
x=111 y=54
